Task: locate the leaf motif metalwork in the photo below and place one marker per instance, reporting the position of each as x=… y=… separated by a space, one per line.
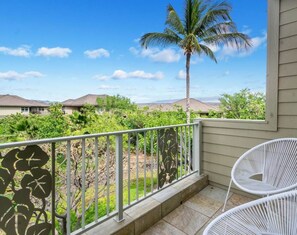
x=16 y=213
x=40 y=183
x=5 y=180
x=24 y=188
x=168 y=150
x=30 y=157
x=40 y=229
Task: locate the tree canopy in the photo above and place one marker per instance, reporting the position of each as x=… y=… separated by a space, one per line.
x=242 y=105
x=204 y=24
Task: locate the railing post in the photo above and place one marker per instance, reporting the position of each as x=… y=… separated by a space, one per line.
x=119 y=178
x=53 y=187
x=197 y=146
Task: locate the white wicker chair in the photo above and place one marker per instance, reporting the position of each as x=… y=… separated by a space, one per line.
x=273 y=215
x=267 y=169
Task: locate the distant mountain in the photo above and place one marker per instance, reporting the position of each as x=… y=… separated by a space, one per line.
x=46 y=101
x=212 y=100
x=165 y=101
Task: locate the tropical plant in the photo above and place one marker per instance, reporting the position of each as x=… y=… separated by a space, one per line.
x=243 y=105
x=116 y=103
x=204 y=25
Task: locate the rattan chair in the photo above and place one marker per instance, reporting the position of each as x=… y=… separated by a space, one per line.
x=267 y=169
x=273 y=215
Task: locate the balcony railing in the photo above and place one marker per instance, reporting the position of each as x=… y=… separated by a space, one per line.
x=70 y=184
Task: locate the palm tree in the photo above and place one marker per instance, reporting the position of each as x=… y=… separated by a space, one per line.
x=204 y=25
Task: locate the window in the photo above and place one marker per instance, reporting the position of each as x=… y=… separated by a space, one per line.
x=25 y=109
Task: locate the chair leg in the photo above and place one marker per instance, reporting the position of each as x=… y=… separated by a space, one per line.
x=226 y=199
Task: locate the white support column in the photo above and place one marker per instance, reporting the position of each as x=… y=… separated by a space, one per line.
x=197 y=146
x=119 y=178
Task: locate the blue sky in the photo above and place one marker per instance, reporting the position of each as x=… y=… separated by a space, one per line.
x=56 y=50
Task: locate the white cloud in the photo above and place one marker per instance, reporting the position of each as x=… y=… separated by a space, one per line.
x=22 y=51
x=231 y=50
x=246 y=29
x=213 y=47
x=136 y=40
x=157 y=55
x=181 y=75
x=54 y=52
x=119 y=74
x=134 y=51
x=101 y=77
x=138 y=74
x=93 y=54
x=13 y=75
x=107 y=87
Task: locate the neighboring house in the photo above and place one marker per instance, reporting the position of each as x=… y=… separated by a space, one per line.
x=195 y=105
x=71 y=105
x=12 y=104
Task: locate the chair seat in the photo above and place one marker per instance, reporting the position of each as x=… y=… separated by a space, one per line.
x=254 y=185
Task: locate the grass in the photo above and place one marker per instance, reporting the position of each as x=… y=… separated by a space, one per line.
x=135 y=193
x=102 y=201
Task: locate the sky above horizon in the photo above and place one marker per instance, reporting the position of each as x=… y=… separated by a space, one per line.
x=57 y=50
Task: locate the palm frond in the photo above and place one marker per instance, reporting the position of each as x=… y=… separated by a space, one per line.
x=193 y=12
x=196 y=14
x=188 y=16
x=173 y=21
x=207 y=51
x=159 y=39
x=172 y=33
x=216 y=13
x=203 y=25
x=219 y=28
x=234 y=39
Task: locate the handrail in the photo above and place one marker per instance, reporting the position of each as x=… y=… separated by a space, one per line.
x=145 y=151
x=77 y=137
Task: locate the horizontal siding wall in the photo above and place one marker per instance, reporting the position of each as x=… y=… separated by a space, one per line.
x=287 y=113
x=223 y=145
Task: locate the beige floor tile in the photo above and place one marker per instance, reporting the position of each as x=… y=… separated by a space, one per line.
x=233 y=201
x=163 y=228
x=186 y=219
x=204 y=205
x=237 y=200
x=195 y=214
x=200 y=232
x=215 y=193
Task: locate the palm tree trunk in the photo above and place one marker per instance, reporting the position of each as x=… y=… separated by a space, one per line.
x=188 y=59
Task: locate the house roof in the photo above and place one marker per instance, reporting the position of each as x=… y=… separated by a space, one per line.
x=195 y=105
x=16 y=101
x=81 y=101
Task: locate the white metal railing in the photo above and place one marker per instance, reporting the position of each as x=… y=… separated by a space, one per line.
x=92 y=173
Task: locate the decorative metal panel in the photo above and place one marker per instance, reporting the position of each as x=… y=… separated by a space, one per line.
x=167 y=150
x=25 y=185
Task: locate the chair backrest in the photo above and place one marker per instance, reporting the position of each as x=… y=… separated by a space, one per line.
x=276 y=160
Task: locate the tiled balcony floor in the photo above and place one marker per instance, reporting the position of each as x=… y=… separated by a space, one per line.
x=194 y=215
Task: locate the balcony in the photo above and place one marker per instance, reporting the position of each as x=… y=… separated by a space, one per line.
x=110 y=183
x=110 y=174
